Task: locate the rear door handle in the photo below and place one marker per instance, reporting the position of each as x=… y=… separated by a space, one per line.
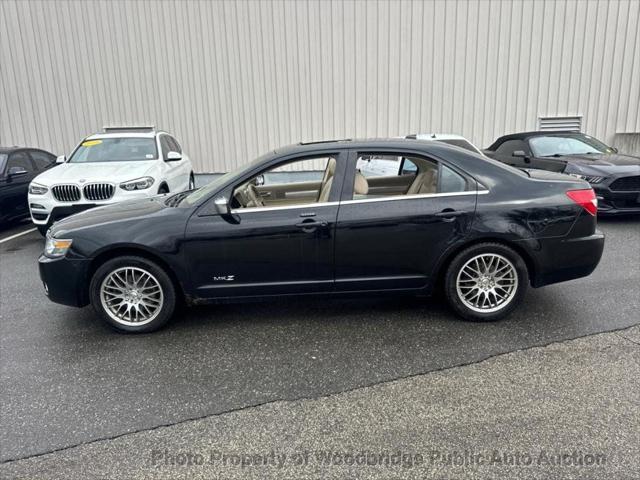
x=450 y=213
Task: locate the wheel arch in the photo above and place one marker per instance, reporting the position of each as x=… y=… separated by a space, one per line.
x=448 y=257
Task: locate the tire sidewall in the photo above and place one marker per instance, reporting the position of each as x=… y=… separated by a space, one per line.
x=168 y=292
x=459 y=260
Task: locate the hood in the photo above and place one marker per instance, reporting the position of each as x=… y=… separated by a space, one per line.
x=603 y=159
x=109 y=172
x=108 y=214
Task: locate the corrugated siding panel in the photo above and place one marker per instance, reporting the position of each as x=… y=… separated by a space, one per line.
x=234 y=79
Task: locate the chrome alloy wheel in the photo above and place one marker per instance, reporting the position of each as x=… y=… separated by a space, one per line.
x=131 y=296
x=487 y=283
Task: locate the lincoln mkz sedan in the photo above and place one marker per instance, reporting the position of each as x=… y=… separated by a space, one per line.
x=304 y=220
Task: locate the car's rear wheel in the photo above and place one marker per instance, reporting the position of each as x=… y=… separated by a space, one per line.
x=133 y=294
x=486 y=282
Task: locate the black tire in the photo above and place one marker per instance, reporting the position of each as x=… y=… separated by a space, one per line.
x=163 y=189
x=168 y=295
x=460 y=260
x=42 y=229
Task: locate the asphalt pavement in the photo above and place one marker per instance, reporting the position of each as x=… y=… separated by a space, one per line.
x=66 y=379
x=565 y=411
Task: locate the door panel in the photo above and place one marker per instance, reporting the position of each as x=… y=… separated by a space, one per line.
x=288 y=193
x=262 y=251
x=390 y=185
x=395 y=244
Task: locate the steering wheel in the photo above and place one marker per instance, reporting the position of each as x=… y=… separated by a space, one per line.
x=254 y=196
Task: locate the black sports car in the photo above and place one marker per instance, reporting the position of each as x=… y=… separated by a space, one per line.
x=614 y=177
x=304 y=220
x=18 y=166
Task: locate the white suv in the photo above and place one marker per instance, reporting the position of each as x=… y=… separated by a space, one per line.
x=120 y=164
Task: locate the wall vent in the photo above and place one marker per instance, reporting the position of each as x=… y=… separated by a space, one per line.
x=555 y=124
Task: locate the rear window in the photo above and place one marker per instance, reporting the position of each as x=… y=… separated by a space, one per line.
x=115 y=150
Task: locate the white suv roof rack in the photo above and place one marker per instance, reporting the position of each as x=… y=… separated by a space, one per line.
x=133 y=128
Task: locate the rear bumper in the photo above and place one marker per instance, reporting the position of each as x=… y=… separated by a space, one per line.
x=561 y=259
x=65 y=280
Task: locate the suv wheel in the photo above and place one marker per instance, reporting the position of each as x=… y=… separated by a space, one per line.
x=42 y=229
x=486 y=282
x=133 y=294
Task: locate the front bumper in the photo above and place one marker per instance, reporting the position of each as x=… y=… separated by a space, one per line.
x=45 y=209
x=616 y=202
x=562 y=259
x=65 y=280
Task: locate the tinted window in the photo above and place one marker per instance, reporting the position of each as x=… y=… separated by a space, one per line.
x=42 y=160
x=175 y=146
x=164 y=144
x=20 y=160
x=507 y=148
x=451 y=181
x=125 y=149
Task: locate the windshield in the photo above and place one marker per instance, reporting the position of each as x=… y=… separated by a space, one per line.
x=115 y=150
x=572 y=144
x=208 y=189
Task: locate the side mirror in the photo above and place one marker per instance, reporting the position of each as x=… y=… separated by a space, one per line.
x=222 y=206
x=16 y=172
x=61 y=159
x=173 y=156
x=259 y=180
x=520 y=153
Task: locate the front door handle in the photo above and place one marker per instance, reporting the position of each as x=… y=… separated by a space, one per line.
x=450 y=214
x=310 y=225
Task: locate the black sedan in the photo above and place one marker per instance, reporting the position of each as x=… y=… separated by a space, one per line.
x=304 y=220
x=18 y=166
x=614 y=177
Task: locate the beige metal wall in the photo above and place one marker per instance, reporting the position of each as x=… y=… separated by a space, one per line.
x=234 y=79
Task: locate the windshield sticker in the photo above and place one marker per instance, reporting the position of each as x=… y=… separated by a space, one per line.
x=149 y=155
x=91 y=143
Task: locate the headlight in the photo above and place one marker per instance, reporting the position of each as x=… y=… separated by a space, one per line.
x=588 y=178
x=55 y=247
x=35 y=189
x=137 y=184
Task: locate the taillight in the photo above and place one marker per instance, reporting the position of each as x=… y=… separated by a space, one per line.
x=586 y=199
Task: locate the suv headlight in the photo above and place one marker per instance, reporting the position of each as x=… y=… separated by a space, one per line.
x=137 y=184
x=35 y=189
x=56 y=247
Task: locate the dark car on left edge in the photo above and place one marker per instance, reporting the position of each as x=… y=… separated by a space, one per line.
x=18 y=166
x=308 y=220
x=614 y=177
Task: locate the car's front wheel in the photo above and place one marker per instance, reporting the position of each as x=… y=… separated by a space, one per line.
x=133 y=294
x=42 y=229
x=486 y=282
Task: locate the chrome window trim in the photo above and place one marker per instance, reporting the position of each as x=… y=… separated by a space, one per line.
x=364 y=200
x=284 y=207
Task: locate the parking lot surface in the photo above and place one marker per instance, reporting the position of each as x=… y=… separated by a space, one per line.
x=67 y=379
x=565 y=411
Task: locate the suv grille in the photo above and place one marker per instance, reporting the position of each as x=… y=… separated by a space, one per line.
x=66 y=193
x=626 y=184
x=98 y=191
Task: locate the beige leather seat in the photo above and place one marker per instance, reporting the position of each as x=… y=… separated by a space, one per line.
x=424 y=182
x=360 y=187
x=327 y=180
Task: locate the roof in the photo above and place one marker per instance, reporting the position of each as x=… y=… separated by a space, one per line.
x=387 y=143
x=438 y=136
x=526 y=135
x=18 y=147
